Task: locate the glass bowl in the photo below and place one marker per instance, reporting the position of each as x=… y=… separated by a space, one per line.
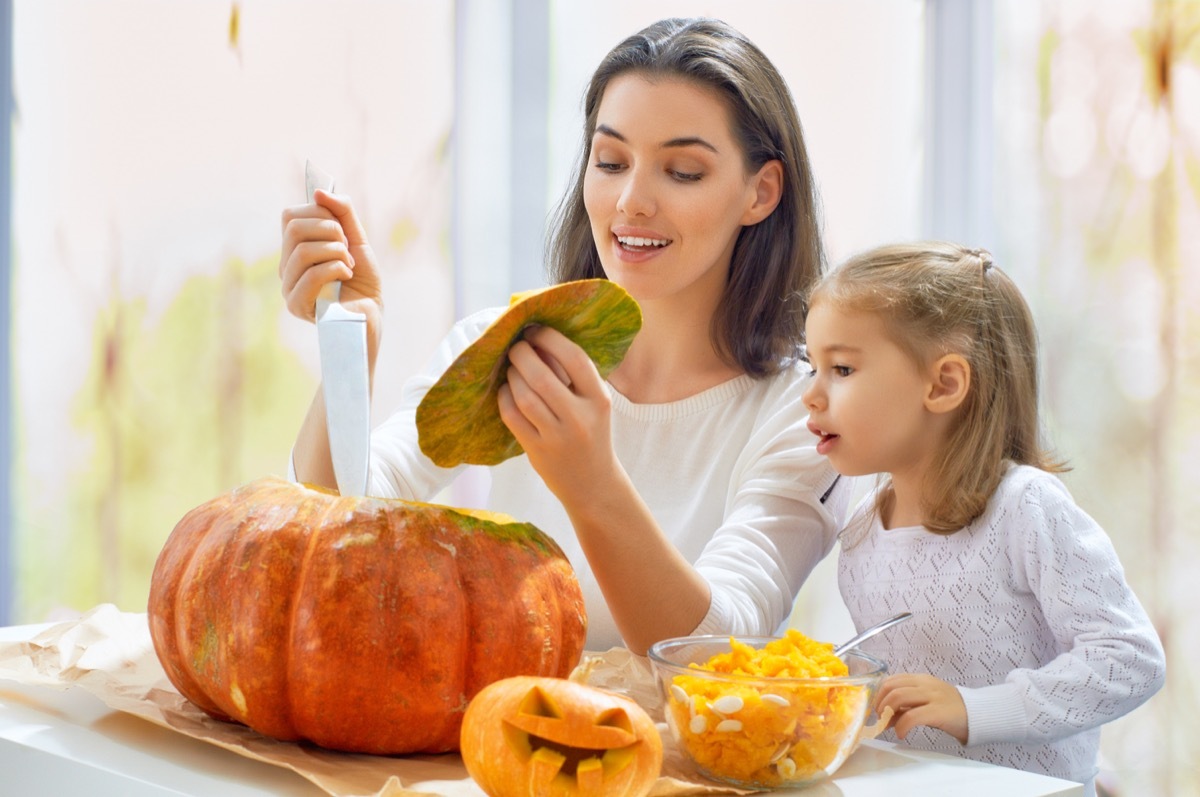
x=759 y=732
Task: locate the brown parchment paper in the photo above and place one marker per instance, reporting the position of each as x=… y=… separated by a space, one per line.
x=109 y=653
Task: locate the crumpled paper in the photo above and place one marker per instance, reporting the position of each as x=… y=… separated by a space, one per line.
x=109 y=653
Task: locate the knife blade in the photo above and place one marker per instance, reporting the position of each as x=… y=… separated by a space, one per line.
x=342 y=338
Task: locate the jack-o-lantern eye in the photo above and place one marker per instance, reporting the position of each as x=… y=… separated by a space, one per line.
x=569 y=743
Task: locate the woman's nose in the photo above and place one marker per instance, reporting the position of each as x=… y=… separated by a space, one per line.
x=637 y=198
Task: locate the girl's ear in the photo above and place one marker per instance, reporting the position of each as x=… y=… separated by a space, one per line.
x=950 y=381
x=768 y=190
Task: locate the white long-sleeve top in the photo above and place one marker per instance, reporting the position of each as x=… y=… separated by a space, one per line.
x=731 y=476
x=1026 y=610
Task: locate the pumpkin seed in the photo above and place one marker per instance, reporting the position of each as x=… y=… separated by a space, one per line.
x=728 y=704
x=778 y=700
x=781 y=752
x=786 y=768
x=698 y=724
x=729 y=726
x=678 y=693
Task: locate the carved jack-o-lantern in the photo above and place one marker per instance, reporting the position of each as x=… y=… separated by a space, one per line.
x=530 y=735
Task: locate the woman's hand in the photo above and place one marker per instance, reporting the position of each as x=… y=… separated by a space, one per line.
x=923 y=700
x=322 y=242
x=558 y=409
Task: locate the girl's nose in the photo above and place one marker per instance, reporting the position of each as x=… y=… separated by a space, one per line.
x=811 y=395
x=636 y=197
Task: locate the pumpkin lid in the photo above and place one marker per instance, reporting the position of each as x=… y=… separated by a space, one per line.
x=458 y=420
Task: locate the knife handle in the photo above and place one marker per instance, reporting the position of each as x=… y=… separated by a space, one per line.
x=314 y=178
x=331 y=293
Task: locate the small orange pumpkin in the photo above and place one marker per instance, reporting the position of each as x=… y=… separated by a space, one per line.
x=537 y=735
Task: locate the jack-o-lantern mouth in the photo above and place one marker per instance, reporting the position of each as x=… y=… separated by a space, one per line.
x=588 y=749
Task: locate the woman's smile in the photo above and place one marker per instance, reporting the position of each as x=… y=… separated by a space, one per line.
x=637 y=244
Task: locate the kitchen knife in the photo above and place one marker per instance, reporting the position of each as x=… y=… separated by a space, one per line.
x=342 y=337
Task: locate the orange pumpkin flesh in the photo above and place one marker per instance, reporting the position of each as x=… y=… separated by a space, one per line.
x=360 y=624
x=550 y=736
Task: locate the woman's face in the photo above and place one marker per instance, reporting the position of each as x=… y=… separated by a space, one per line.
x=666 y=189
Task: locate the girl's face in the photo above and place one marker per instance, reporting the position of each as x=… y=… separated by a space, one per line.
x=867 y=399
x=666 y=189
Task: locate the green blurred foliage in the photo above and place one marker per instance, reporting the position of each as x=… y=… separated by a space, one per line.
x=176 y=410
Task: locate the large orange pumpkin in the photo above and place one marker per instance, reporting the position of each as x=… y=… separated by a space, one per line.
x=360 y=624
x=552 y=737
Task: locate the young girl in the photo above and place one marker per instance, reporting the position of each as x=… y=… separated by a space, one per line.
x=1025 y=637
x=686 y=489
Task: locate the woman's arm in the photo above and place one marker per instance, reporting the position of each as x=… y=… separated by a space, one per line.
x=745 y=579
x=560 y=414
x=322 y=242
x=398 y=468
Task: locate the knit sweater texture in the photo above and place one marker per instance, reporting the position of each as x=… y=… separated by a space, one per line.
x=1026 y=610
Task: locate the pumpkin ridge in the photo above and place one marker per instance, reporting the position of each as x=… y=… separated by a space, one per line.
x=164 y=607
x=448 y=732
x=293 y=608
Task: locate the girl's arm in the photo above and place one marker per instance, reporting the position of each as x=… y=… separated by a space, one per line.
x=1111 y=659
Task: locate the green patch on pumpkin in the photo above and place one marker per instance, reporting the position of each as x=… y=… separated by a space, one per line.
x=458 y=421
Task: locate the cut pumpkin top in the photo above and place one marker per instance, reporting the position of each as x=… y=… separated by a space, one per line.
x=458 y=420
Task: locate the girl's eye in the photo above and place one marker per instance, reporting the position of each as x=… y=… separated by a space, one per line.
x=605 y=166
x=685 y=177
x=843 y=370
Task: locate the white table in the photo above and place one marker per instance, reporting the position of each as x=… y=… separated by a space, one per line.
x=69 y=742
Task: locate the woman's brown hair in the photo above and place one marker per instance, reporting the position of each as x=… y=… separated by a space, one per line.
x=759 y=323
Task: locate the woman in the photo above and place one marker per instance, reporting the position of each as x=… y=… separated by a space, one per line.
x=686 y=490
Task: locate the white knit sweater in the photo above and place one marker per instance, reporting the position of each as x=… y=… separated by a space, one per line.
x=731 y=475
x=1026 y=610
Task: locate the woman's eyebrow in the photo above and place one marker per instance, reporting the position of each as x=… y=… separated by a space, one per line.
x=683 y=141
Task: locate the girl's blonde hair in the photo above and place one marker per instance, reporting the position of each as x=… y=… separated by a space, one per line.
x=938 y=298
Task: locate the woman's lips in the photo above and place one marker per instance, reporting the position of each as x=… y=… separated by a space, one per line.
x=637 y=248
x=642 y=241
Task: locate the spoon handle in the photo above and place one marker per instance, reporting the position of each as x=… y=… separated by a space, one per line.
x=870 y=632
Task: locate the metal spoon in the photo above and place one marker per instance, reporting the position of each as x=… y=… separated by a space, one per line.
x=870 y=632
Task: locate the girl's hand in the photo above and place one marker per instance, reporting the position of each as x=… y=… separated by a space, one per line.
x=322 y=242
x=557 y=407
x=923 y=700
